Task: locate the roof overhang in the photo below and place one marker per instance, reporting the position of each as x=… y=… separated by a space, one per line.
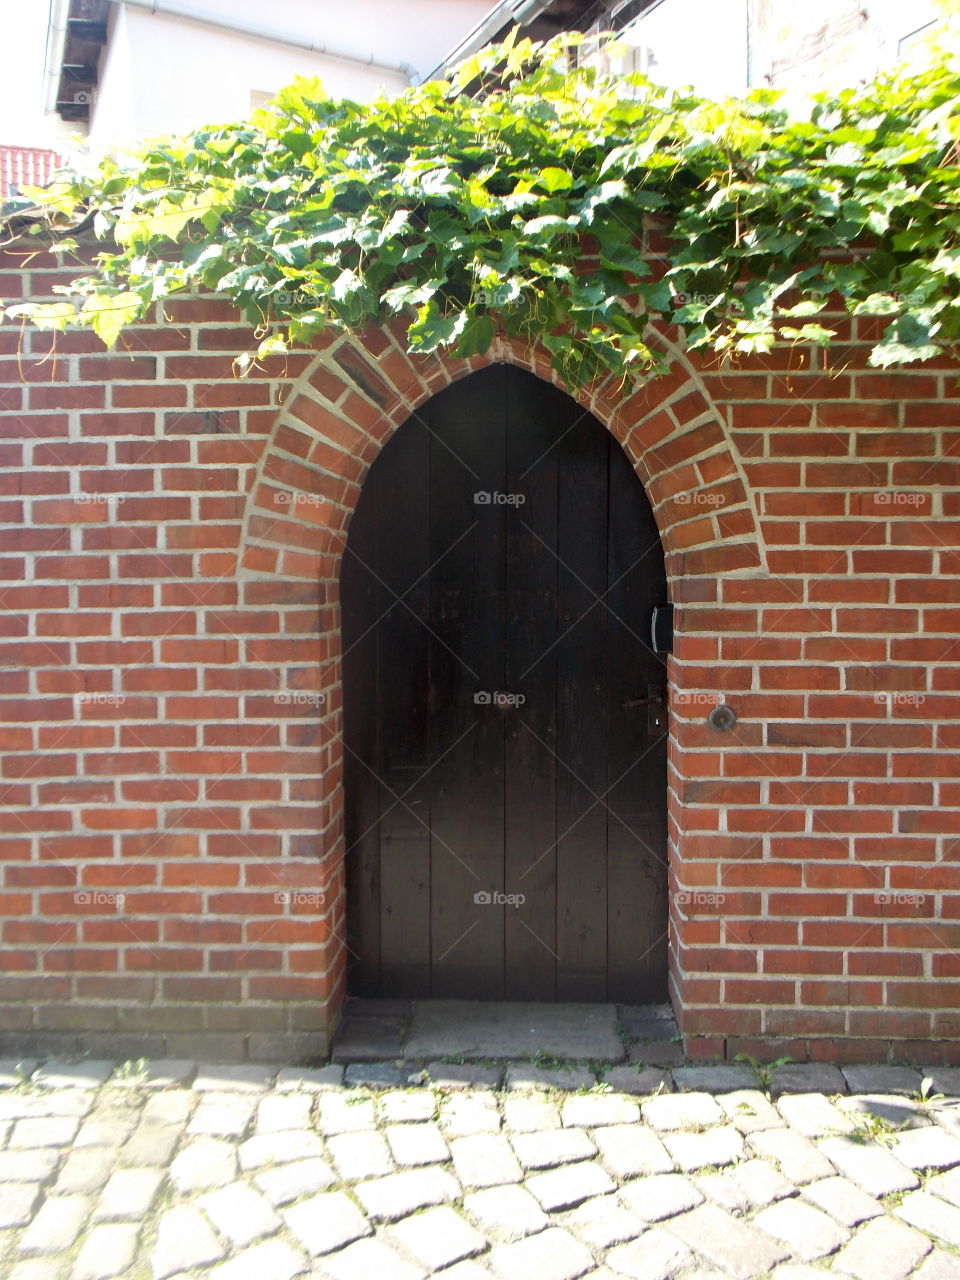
x=76 y=34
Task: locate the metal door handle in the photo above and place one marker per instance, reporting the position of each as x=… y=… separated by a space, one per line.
x=652 y=699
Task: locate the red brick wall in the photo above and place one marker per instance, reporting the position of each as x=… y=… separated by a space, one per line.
x=171 y=849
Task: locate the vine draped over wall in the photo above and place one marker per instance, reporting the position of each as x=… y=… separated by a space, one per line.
x=467 y=211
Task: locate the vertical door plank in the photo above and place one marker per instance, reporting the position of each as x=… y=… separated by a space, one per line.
x=360 y=607
x=466 y=659
x=636 y=748
x=581 y=712
x=404 y=558
x=534 y=427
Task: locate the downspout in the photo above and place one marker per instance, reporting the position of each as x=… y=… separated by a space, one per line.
x=56 y=43
x=170 y=9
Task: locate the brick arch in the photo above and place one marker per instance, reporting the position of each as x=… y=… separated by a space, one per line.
x=338 y=416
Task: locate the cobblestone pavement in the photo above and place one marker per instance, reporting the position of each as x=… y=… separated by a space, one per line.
x=380 y=1172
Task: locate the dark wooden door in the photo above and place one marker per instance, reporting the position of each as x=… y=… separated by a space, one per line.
x=497 y=585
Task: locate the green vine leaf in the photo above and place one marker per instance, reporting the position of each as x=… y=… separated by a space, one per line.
x=544 y=200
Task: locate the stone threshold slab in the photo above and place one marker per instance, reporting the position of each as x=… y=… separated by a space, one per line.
x=478 y=1029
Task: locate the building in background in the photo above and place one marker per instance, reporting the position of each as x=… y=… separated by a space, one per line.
x=118 y=70
x=725 y=47
x=121 y=71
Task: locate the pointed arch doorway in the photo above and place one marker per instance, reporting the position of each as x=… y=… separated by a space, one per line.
x=505 y=804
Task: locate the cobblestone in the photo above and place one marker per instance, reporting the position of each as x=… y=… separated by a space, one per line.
x=552 y=1255
x=842 y=1200
x=369 y=1258
x=271 y=1260
x=86 y=1074
x=17 y=1203
x=464 y=1114
x=467 y=1075
x=594 y=1112
x=928 y=1148
x=509 y=1212
x=386 y=1199
x=809 y=1233
x=813 y=1116
x=603 y=1222
x=523 y=1075
x=729 y=1243
x=109 y=1250
x=206 y=1162
x=807 y=1077
x=629 y=1151
x=749 y=1185
x=129 y=1195
x=947 y=1186
x=239 y=1213
x=932 y=1216
x=360 y=1155
x=659 y=1197
x=870 y=1166
x=882 y=1250
x=417 y=1144
x=529 y=1115
x=85 y=1171
x=225 y=1173
x=656 y=1255
x=882 y=1079
x=938 y=1266
x=484 y=1160
x=750 y=1111
x=56 y=1226
x=184 y=1240
x=569 y=1186
x=326 y=1222
x=408 y=1108
x=438 y=1238
x=553 y=1147
x=693 y=1151
x=681 y=1111
x=726 y=1078
x=288 y=1182
x=223 y=1115
x=280 y=1148
x=798 y=1159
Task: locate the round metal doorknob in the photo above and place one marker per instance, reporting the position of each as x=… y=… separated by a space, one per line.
x=722 y=717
